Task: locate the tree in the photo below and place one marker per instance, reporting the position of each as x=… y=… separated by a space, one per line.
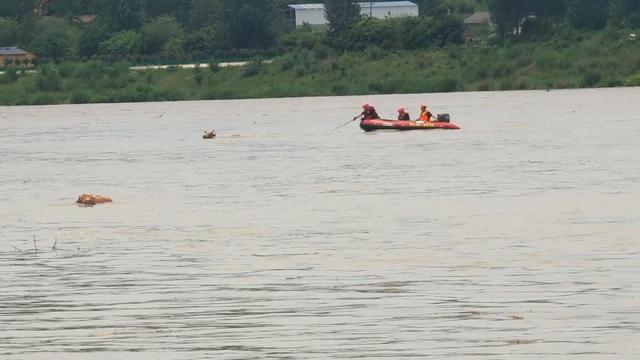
x=61 y=7
x=15 y=8
x=446 y=7
x=121 y=45
x=428 y=7
x=588 y=14
x=508 y=15
x=548 y=8
x=202 y=13
x=124 y=14
x=249 y=23
x=626 y=12
x=52 y=38
x=91 y=37
x=543 y=17
x=158 y=32
x=245 y=24
x=340 y=15
x=8 y=31
x=202 y=42
x=448 y=29
x=180 y=9
x=48 y=79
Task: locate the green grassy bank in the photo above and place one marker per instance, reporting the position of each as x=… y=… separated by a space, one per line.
x=602 y=59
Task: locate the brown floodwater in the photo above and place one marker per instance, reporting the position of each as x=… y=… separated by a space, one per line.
x=517 y=237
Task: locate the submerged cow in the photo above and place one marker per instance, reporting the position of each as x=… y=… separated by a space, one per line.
x=90 y=199
x=209 y=134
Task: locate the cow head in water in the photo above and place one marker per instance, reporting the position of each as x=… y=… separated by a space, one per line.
x=209 y=134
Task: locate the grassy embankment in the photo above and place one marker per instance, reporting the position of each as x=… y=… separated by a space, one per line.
x=580 y=60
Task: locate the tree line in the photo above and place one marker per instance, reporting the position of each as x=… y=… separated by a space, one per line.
x=516 y=18
x=185 y=30
x=196 y=29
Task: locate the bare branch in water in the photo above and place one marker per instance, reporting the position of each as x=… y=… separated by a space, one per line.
x=35 y=247
x=17 y=248
x=54 y=244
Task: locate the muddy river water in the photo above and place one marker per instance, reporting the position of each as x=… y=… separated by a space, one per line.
x=517 y=237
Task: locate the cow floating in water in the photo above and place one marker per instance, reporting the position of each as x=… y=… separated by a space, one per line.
x=90 y=199
x=209 y=134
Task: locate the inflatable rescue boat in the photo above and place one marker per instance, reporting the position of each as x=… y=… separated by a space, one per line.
x=383 y=124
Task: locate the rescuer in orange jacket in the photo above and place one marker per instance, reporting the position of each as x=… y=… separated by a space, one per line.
x=425 y=114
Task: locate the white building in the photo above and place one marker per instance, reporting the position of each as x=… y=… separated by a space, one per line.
x=313 y=14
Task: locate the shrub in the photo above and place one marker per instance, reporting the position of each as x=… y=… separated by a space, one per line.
x=90 y=71
x=301 y=38
x=122 y=44
x=287 y=62
x=10 y=75
x=79 y=98
x=48 y=79
x=591 y=78
x=156 y=34
x=66 y=69
x=197 y=75
x=447 y=84
x=41 y=99
x=214 y=67
x=252 y=68
x=339 y=89
x=633 y=80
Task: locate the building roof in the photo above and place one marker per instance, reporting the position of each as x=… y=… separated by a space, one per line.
x=12 y=50
x=85 y=19
x=307 y=6
x=387 y=4
x=483 y=17
x=362 y=5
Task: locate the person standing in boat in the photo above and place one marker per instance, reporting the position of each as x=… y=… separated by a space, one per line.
x=425 y=114
x=403 y=115
x=369 y=112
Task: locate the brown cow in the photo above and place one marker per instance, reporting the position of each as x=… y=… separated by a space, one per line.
x=90 y=199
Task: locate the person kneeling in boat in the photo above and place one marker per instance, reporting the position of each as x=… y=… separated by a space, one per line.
x=403 y=115
x=369 y=112
x=425 y=114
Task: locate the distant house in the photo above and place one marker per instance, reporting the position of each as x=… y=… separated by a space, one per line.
x=14 y=55
x=84 y=19
x=479 y=18
x=475 y=23
x=313 y=14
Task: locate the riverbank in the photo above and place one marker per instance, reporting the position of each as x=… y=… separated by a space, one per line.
x=606 y=59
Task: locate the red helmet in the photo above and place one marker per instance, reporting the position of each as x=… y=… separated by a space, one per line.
x=401 y=110
x=366 y=106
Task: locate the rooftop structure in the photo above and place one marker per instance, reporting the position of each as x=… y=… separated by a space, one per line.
x=13 y=55
x=478 y=18
x=12 y=50
x=313 y=14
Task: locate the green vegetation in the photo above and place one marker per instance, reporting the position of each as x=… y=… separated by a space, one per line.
x=535 y=44
x=179 y=31
x=578 y=59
